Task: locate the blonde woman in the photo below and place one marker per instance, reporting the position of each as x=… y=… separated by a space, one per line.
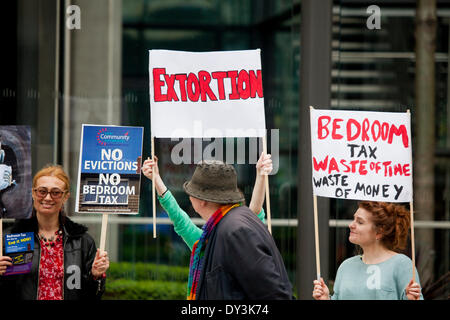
x=66 y=264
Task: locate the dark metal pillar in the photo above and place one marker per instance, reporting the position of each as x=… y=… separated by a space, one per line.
x=315 y=90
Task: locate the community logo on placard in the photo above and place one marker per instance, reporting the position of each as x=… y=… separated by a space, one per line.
x=105 y=138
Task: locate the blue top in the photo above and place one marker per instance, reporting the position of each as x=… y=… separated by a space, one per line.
x=386 y=280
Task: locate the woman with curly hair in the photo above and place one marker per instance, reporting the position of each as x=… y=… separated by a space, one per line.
x=380 y=229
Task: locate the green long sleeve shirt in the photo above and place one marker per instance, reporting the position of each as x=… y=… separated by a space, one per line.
x=387 y=280
x=182 y=223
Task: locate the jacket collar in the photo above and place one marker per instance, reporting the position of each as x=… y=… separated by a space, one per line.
x=70 y=228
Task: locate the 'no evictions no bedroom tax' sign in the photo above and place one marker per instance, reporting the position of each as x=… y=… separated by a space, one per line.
x=361 y=155
x=109 y=170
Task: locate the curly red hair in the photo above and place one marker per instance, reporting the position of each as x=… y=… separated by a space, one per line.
x=391 y=220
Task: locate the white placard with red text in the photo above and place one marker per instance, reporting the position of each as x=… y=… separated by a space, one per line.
x=206 y=94
x=361 y=155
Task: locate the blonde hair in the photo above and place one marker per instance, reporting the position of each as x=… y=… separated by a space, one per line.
x=53 y=170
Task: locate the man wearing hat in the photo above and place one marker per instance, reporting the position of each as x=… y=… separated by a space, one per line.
x=235 y=257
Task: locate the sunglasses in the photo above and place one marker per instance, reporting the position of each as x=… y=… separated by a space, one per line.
x=55 y=193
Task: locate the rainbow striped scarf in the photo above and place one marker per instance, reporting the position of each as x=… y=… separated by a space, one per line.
x=198 y=250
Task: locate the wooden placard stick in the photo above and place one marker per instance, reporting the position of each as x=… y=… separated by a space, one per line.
x=411 y=212
x=103 y=232
x=316 y=237
x=316 y=228
x=266 y=181
x=413 y=253
x=1 y=236
x=153 y=190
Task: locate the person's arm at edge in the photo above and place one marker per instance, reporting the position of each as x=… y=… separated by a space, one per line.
x=263 y=168
x=183 y=224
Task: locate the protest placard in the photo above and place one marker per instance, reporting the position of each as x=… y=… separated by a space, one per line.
x=361 y=155
x=109 y=175
x=206 y=95
x=109 y=171
x=15 y=174
x=20 y=247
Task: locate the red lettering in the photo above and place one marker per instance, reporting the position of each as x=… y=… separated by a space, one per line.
x=157 y=84
x=234 y=92
x=182 y=81
x=362 y=167
x=193 y=86
x=364 y=130
x=406 y=170
x=171 y=94
x=347 y=168
x=193 y=94
x=205 y=78
x=387 y=168
x=398 y=169
x=244 y=78
x=219 y=75
x=353 y=164
x=376 y=136
x=351 y=122
x=366 y=126
x=375 y=166
x=322 y=165
x=256 y=85
x=336 y=126
x=384 y=131
x=333 y=166
x=400 y=131
x=322 y=127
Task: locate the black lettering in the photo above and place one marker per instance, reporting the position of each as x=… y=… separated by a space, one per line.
x=317 y=183
x=344 y=181
x=360 y=187
x=397 y=191
x=372 y=152
x=363 y=150
x=385 y=190
x=352 y=147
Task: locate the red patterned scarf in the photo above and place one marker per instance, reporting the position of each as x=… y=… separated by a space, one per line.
x=198 y=250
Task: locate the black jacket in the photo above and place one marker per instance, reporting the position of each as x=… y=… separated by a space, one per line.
x=242 y=261
x=79 y=254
